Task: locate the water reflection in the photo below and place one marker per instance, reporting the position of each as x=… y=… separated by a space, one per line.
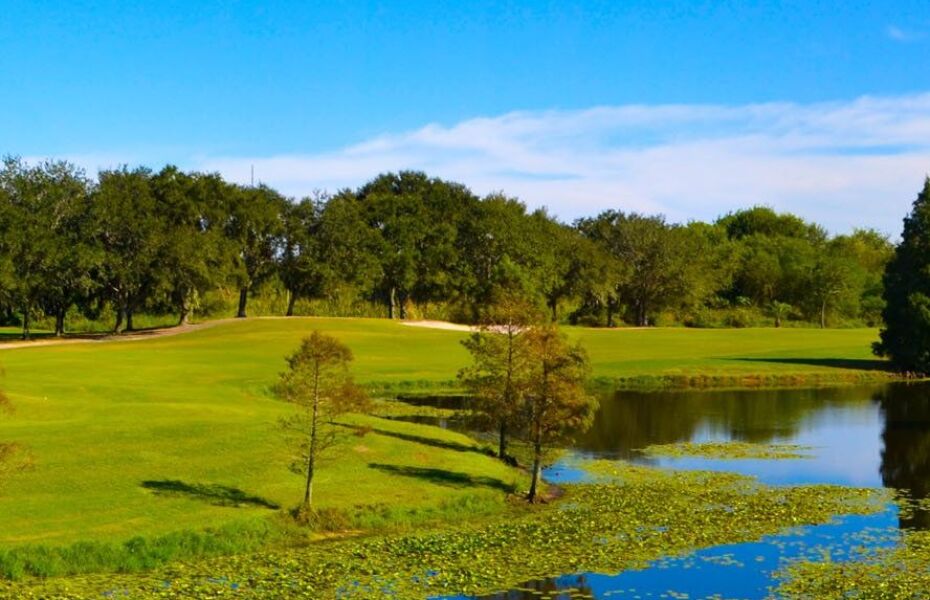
x=864 y=436
x=569 y=587
x=905 y=462
x=627 y=421
x=842 y=425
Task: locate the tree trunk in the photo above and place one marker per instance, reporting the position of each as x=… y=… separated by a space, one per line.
x=502 y=442
x=291 y=299
x=184 y=314
x=554 y=307
x=243 y=299
x=60 y=322
x=392 y=302
x=610 y=313
x=119 y=319
x=311 y=454
x=641 y=318
x=308 y=490
x=823 y=314
x=129 y=325
x=25 y=322
x=537 y=467
x=777 y=321
x=402 y=305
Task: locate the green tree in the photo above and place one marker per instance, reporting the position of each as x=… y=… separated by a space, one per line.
x=348 y=247
x=870 y=251
x=255 y=227
x=496 y=249
x=73 y=256
x=396 y=212
x=304 y=271
x=43 y=212
x=834 y=280
x=565 y=264
x=193 y=250
x=653 y=252
x=418 y=220
x=906 y=336
x=762 y=220
x=130 y=235
x=780 y=311
x=498 y=378
x=556 y=404
x=318 y=381
x=774 y=269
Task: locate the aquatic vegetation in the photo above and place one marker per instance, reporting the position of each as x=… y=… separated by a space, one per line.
x=699 y=379
x=728 y=450
x=630 y=517
x=901 y=571
x=893 y=563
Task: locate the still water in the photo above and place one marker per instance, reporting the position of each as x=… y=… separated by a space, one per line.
x=862 y=436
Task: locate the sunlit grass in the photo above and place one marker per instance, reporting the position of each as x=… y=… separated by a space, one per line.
x=102 y=419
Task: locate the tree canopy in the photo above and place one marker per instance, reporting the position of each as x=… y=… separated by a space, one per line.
x=132 y=241
x=318 y=381
x=905 y=338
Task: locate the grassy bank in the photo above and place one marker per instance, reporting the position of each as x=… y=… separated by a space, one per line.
x=630 y=517
x=144 y=439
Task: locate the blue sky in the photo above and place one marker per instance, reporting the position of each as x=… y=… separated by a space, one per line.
x=685 y=108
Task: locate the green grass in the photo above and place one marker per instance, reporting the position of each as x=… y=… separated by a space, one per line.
x=100 y=420
x=192 y=416
x=629 y=518
x=731 y=357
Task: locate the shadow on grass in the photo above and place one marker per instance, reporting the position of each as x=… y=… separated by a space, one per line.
x=215 y=494
x=17 y=336
x=444 y=477
x=11 y=335
x=419 y=439
x=860 y=364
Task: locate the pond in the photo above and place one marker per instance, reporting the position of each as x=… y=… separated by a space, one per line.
x=860 y=436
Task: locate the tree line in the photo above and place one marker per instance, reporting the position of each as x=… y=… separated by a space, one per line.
x=133 y=241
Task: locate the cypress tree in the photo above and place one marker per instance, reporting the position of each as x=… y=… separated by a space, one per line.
x=906 y=336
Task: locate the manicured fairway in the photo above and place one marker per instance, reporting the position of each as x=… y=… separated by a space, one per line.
x=753 y=354
x=102 y=419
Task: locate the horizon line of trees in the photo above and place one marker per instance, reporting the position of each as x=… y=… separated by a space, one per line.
x=133 y=241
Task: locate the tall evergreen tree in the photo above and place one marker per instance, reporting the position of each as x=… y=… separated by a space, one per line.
x=906 y=336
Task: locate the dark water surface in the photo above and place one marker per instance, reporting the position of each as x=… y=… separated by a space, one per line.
x=862 y=436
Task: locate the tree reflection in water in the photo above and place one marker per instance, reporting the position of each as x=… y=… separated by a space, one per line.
x=906 y=436
x=628 y=421
x=562 y=588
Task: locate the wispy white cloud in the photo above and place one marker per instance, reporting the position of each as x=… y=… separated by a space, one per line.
x=904 y=35
x=844 y=164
